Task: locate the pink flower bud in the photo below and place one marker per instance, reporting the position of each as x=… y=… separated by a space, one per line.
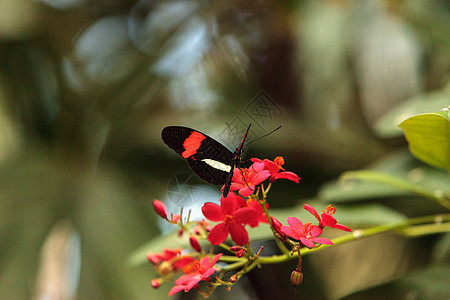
x=160 y=208
x=195 y=244
x=240 y=253
x=156 y=283
x=277 y=226
x=235 y=248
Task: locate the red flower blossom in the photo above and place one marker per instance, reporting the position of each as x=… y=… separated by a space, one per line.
x=261 y=216
x=168 y=254
x=232 y=217
x=245 y=180
x=160 y=208
x=260 y=212
x=168 y=261
x=274 y=167
x=196 y=271
x=326 y=218
x=307 y=234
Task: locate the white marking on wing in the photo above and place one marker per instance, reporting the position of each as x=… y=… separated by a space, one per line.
x=217 y=165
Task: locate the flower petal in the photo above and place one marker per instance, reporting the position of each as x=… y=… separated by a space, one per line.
x=208 y=273
x=315 y=231
x=307 y=242
x=313 y=211
x=228 y=204
x=236 y=186
x=191 y=284
x=257 y=167
x=218 y=234
x=295 y=223
x=246 y=190
x=260 y=177
x=182 y=262
x=328 y=220
x=256 y=160
x=185 y=279
x=176 y=289
x=245 y=215
x=213 y=212
x=288 y=231
x=288 y=175
x=341 y=227
x=238 y=234
x=215 y=259
x=272 y=167
x=322 y=241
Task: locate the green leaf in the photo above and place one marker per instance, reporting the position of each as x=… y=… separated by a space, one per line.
x=428 y=136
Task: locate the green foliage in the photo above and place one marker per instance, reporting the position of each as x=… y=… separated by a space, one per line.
x=428 y=136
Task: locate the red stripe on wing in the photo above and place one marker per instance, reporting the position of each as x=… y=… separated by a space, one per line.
x=192 y=143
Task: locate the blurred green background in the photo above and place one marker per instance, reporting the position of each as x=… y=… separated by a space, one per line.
x=86 y=87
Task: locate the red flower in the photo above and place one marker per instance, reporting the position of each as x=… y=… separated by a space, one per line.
x=168 y=254
x=326 y=218
x=260 y=212
x=196 y=271
x=160 y=208
x=232 y=217
x=307 y=234
x=261 y=216
x=245 y=180
x=168 y=261
x=274 y=167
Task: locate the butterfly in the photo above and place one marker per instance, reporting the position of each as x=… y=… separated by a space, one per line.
x=206 y=157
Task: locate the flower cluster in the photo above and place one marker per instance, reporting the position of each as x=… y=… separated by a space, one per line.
x=245 y=206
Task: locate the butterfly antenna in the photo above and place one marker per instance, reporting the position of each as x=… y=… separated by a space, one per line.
x=249 y=143
x=243 y=177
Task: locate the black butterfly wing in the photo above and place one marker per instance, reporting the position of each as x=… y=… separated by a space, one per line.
x=207 y=158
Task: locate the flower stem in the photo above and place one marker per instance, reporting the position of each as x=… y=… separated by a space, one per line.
x=439 y=223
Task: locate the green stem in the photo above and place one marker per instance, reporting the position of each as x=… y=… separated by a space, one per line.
x=280 y=245
x=440 y=223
